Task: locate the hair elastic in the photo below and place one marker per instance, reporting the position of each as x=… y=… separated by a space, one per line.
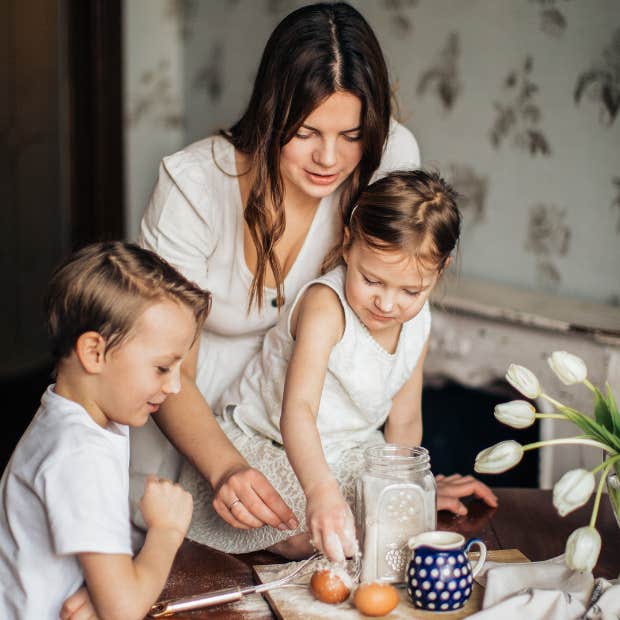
x=352 y=212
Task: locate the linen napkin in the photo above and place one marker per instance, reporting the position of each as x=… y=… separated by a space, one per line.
x=546 y=590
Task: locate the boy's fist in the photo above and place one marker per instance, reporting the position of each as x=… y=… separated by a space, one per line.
x=166 y=505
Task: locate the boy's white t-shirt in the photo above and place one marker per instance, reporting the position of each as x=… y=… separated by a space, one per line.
x=65 y=491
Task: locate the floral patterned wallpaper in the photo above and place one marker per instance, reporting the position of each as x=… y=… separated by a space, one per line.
x=517 y=103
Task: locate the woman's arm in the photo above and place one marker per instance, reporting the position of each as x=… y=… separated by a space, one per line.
x=187 y=420
x=317 y=325
x=181 y=224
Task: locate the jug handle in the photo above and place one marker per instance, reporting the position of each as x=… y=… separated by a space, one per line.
x=483 y=554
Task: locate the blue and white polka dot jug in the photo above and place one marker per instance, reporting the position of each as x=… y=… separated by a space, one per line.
x=440 y=577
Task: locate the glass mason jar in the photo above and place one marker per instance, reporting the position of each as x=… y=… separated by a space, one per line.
x=395 y=498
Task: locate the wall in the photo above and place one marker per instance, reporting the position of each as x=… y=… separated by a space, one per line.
x=153 y=92
x=516 y=102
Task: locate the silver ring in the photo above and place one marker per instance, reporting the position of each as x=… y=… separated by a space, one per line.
x=230 y=507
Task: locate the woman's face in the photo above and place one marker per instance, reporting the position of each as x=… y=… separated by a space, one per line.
x=325 y=150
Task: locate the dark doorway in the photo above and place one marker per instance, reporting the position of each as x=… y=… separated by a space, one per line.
x=61 y=170
x=459 y=422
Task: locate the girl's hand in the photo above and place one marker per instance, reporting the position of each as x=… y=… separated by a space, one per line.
x=330 y=521
x=166 y=505
x=78 y=607
x=450 y=489
x=245 y=499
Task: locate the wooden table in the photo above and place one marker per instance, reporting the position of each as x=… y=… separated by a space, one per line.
x=525 y=520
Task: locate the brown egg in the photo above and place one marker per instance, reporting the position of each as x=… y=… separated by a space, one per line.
x=375 y=599
x=328 y=587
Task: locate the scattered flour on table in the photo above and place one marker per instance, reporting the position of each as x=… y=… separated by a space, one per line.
x=250 y=604
x=296 y=602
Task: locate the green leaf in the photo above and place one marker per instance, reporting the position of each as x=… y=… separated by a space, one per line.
x=592 y=429
x=601 y=411
x=613 y=410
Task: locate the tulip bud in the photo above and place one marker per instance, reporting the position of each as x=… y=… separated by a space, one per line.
x=516 y=413
x=523 y=380
x=582 y=549
x=499 y=458
x=569 y=368
x=573 y=490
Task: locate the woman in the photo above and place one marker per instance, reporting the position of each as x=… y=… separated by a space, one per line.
x=251 y=214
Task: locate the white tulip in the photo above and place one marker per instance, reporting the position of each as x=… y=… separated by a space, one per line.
x=523 y=380
x=569 y=368
x=573 y=490
x=582 y=549
x=516 y=413
x=499 y=458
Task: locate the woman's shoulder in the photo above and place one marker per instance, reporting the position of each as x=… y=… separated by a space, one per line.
x=194 y=198
x=212 y=155
x=401 y=150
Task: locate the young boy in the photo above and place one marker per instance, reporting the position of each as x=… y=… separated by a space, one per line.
x=121 y=322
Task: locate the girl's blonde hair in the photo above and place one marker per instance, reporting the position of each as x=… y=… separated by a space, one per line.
x=105 y=287
x=413 y=211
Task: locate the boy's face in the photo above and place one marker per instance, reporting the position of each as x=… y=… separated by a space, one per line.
x=139 y=374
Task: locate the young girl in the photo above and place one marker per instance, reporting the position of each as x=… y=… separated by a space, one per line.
x=344 y=360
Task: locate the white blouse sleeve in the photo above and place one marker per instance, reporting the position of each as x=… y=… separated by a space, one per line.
x=179 y=223
x=401 y=151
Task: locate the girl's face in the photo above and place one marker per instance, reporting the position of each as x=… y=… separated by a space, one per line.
x=385 y=288
x=325 y=150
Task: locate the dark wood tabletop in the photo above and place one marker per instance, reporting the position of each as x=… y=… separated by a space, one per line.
x=525 y=520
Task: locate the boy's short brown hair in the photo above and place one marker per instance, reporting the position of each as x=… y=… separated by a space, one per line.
x=105 y=287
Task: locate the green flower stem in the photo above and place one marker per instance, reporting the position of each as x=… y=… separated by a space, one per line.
x=554 y=416
x=553 y=401
x=610 y=461
x=599 y=490
x=568 y=440
x=589 y=386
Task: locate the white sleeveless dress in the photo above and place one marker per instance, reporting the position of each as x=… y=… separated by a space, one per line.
x=361 y=381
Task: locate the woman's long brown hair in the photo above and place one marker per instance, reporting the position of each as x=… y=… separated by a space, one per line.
x=314 y=52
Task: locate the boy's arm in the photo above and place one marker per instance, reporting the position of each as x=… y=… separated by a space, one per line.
x=317 y=326
x=124 y=588
x=78 y=607
x=404 y=423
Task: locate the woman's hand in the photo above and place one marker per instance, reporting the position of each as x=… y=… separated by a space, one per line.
x=330 y=521
x=245 y=499
x=451 y=488
x=78 y=607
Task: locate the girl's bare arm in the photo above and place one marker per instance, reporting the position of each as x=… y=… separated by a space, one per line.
x=317 y=325
x=404 y=426
x=404 y=423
